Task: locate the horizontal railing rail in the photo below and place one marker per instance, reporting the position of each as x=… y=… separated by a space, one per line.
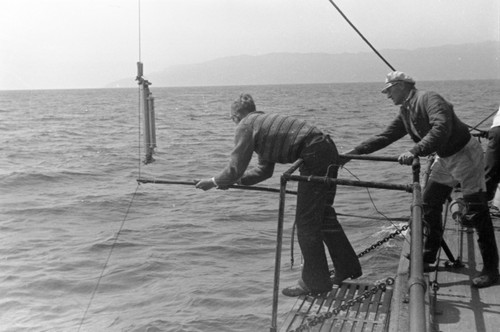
x=416 y=299
x=353 y=183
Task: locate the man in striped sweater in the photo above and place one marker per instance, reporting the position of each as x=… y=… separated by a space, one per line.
x=282 y=139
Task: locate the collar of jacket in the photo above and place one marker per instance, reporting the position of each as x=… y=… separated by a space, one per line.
x=410 y=99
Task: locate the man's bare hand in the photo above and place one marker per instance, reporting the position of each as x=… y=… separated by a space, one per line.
x=205 y=184
x=343 y=160
x=406 y=158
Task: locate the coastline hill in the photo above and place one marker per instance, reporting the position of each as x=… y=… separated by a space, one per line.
x=447 y=62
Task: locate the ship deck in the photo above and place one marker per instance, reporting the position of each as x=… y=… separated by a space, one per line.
x=452 y=305
x=456 y=305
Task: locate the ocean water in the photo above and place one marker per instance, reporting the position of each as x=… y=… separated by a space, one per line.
x=84 y=247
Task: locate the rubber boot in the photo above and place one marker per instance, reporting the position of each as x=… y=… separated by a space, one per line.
x=345 y=261
x=478 y=215
x=434 y=196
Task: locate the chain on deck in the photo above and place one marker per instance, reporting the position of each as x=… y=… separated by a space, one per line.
x=350 y=307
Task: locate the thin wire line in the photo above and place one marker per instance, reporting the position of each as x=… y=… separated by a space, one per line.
x=107 y=259
x=139 y=5
x=375 y=206
x=133 y=197
x=363 y=37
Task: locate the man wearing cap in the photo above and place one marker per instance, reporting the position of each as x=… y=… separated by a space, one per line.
x=435 y=128
x=282 y=139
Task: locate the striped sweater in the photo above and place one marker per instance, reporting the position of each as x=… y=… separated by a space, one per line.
x=275 y=138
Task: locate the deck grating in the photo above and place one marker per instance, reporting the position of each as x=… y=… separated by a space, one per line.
x=366 y=316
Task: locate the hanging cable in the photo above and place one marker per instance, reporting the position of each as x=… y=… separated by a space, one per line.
x=131 y=201
x=139 y=30
x=361 y=35
x=375 y=207
x=392 y=68
x=107 y=259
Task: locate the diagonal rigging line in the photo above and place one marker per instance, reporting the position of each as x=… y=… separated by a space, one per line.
x=107 y=259
x=361 y=35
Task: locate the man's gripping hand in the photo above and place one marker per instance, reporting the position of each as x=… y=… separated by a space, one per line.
x=406 y=158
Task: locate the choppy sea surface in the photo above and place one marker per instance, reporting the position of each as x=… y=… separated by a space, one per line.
x=84 y=247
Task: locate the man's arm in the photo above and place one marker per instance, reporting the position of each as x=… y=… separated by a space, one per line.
x=238 y=162
x=392 y=133
x=263 y=171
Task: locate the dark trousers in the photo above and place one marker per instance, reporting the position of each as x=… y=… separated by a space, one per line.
x=492 y=160
x=316 y=219
x=435 y=195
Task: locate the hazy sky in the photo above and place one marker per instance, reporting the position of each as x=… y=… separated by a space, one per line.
x=89 y=43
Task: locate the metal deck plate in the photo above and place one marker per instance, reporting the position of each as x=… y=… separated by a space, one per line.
x=457 y=305
x=370 y=314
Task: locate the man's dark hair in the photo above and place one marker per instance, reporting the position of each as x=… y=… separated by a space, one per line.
x=243 y=103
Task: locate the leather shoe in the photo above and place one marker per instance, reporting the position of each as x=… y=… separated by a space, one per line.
x=485 y=279
x=297 y=290
x=338 y=278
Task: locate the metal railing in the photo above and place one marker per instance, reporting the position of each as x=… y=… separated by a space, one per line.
x=417 y=283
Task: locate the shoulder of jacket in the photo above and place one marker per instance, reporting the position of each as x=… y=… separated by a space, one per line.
x=428 y=94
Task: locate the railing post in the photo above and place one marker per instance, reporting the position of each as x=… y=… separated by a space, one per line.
x=277 y=264
x=417 y=284
x=279 y=242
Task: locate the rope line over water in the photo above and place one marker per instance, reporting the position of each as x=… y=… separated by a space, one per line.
x=107 y=259
x=92 y=296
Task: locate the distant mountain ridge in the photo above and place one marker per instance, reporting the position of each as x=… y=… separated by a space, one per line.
x=448 y=62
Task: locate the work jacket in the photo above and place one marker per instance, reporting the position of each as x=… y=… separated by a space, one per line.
x=431 y=123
